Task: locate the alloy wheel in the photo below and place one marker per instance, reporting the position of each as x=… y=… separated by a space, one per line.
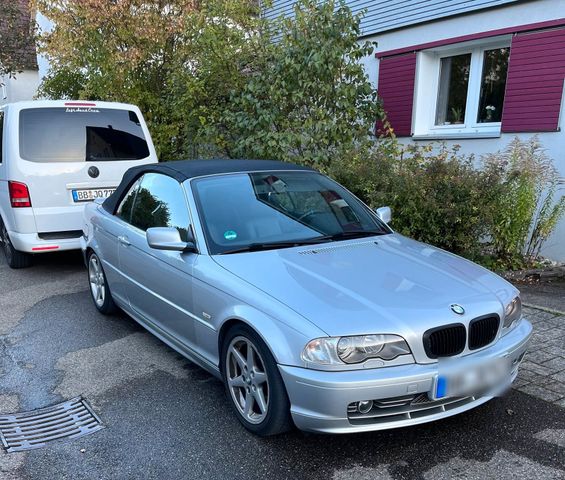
x=247 y=379
x=97 y=283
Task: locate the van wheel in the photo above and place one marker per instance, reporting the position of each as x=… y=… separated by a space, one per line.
x=99 y=289
x=14 y=258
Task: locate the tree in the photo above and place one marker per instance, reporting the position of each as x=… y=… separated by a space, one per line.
x=213 y=78
x=308 y=98
x=173 y=58
x=17 y=48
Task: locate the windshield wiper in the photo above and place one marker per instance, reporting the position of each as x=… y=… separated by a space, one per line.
x=350 y=234
x=256 y=247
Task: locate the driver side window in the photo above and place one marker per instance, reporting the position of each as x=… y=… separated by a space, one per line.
x=160 y=202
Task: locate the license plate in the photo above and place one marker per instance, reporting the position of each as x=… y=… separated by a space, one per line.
x=90 y=194
x=472 y=379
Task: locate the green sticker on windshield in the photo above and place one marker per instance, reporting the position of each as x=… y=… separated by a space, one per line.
x=230 y=235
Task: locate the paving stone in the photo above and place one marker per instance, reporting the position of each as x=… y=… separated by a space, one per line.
x=554 y=350
x=557 y=364
x=539 y=369
x=546 y=315
x=555 y=386
x=555 y=436
x=527 y=375
x=520 y=382
x=540 y=392
x=540 y=356
x=560 y=377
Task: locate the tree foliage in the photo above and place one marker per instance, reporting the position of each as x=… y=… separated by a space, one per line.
x=214 y=78
x=171 y=58
x=308 y=99
x=16 y=37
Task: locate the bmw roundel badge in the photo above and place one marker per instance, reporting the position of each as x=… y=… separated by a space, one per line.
x=458 y=309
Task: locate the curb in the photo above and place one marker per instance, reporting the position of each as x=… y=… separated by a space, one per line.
x=544 y=309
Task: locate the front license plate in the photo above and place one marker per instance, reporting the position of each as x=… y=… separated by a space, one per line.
x=90 y=194
x=472 y=379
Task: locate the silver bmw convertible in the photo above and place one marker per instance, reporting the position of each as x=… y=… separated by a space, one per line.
x=300 y=298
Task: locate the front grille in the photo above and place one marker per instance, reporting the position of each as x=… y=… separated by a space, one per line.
x=482 y=331
x=445 y=341
x=404 y=408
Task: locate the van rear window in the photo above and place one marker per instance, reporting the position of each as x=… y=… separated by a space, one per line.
x=78 y=134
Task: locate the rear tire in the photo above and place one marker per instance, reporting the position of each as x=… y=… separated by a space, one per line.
x=99 y=289
x=14 y=258
x=253 y=383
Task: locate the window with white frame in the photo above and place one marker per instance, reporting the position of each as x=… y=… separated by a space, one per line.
x=460 y=90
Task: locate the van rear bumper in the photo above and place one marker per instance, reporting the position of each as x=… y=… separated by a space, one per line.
x=32 y=243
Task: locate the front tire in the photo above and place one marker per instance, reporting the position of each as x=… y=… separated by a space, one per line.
x=253 y=383
x=99 y=289
x=14 y=258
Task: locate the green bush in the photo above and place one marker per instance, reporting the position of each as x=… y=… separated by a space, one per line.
x=436 y=196
x=526 y=206
x=498 y=212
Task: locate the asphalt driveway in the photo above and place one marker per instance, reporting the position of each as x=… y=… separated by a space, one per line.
x=166 y=418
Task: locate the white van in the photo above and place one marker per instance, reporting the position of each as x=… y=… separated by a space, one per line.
x=55 y=157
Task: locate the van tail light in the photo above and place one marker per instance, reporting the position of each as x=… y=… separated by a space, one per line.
x=19 y=195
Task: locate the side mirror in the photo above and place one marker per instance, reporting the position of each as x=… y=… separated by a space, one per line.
x=168 y=238
x=384 y=213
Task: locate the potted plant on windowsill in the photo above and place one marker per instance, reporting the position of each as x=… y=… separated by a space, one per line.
x=489 y=112
x=456 y=115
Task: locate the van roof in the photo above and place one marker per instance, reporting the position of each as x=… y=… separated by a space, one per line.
x=69 y=103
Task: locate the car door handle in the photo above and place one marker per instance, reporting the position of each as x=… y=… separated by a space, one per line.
x=124 y=240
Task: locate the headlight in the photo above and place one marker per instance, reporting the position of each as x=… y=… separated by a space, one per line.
x=350 y=350
x=512 y=312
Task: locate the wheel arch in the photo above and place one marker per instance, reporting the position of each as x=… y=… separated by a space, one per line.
x=284 y=343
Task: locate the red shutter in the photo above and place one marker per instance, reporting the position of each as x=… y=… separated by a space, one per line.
x=396 y=90
x=534 y=87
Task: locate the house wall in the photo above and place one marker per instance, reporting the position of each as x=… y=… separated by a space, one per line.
x=382 y=15
x=512 y=15
x=22 y=87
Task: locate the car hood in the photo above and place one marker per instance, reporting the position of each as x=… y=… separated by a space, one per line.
x=384 y=284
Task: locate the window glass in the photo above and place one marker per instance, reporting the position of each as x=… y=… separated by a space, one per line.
x=81 y=134
x=160 y=202
x=243 y=209
x=493 y=85
x=453 y=85
x=125 y=206
x=1 y=134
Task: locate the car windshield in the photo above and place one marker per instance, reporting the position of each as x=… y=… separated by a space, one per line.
x=242 y=212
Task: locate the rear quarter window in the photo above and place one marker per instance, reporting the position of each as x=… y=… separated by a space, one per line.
x=75 y=134
x=1 y=134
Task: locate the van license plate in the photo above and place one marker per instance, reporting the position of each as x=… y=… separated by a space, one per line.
x=89 y=194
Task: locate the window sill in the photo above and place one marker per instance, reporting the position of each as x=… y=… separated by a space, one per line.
x=456 y=136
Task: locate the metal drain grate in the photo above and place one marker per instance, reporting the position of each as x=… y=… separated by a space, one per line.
x=26 y=431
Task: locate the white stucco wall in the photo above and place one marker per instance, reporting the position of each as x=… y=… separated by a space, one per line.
x=22 y=87
x=512 y=15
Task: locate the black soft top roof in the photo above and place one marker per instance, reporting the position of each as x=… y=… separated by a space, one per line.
x=182 y=170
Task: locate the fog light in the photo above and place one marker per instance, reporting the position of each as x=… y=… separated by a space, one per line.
x=365 y=406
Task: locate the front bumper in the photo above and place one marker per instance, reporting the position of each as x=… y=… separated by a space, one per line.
x=320 y=399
